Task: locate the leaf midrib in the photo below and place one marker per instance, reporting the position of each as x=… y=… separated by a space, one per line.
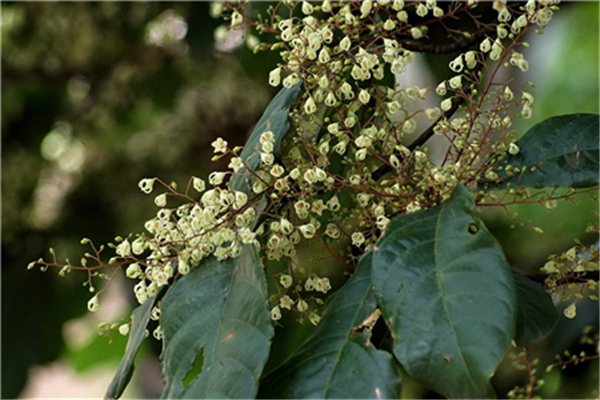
x=438 y=278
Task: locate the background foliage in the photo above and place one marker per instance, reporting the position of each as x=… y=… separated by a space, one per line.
x=97 y=95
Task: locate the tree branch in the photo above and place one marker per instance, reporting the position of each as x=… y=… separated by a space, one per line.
x=460 y=45
x=575 y=277
x=429 y=132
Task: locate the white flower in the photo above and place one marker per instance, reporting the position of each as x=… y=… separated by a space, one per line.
x=333 y=203
x=324 y=56
x=236 y=164
x=276 y=313
x=389 y=24
x=146 y=185
x=571 y=311
x=133 y=271
x=161 y=200
x=365 y=8
x=216 y=178
x=393 y=107
x=220 y=145
x=285 y=280
x=307 y=8
x=330 y=100
x=267 y=136
x=358 y=238
x=277 y=170
x=302 y=306
x=456 y=65
x=446 y=104
x=138 y=246
x=314 y=318
x=345 y=44
x=412 y=207
x=310 y=106
x=486 y=45
x=124 y=329
x=415 y=32
x=198 y=184
x=456 y=82
x=275 y=77
x=93 y=304
x=364 y=96
x=236 y=19
x=513 y=149
x=286 y=302
x=124 y=249
x=267 y=158
x=182 y=266
x=308 y=230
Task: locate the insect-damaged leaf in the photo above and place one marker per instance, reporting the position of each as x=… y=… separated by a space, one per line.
x=448 y=296
x=218 y=312
x=337 y=360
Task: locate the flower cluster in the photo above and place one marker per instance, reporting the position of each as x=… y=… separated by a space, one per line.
x=567 y=279
x=354 y=159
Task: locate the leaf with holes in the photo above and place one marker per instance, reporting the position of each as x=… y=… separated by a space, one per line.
x=337 y=360
x=558 y=152
x=536 y=314
x=140 y=318
x=216 y=330
x=447 y=295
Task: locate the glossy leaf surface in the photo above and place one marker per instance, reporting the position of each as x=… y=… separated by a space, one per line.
x=447 y=295
x=558 y=152
x=140 y=318
x=337 y=360
x=216 y=322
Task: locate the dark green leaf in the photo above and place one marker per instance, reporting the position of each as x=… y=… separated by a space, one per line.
x=558 y=152
x=536 y=314
x=337 y=360
x=140 y=318
x=274 y=119
x=448 y=296
x=217 y=313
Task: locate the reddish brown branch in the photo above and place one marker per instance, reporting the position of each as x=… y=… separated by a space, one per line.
x=576 y=277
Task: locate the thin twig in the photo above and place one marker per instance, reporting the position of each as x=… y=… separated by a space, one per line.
x=460 y=45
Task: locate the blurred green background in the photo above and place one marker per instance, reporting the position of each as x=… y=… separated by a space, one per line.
x=96 y=96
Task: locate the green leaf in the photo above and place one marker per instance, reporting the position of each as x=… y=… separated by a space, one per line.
x=536 y=314
x=558 y=152
x=140 y=318
x=274 y=119
x=337 y=360
x=100 y=350
x=216 y=330
x=447 y=295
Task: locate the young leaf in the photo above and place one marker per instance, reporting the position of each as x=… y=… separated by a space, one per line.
x=536 y=314
x=216 y=330
x=448 y=296
x=337 y=360
x=558 y=152
x=140 y=318
x=274 y=119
